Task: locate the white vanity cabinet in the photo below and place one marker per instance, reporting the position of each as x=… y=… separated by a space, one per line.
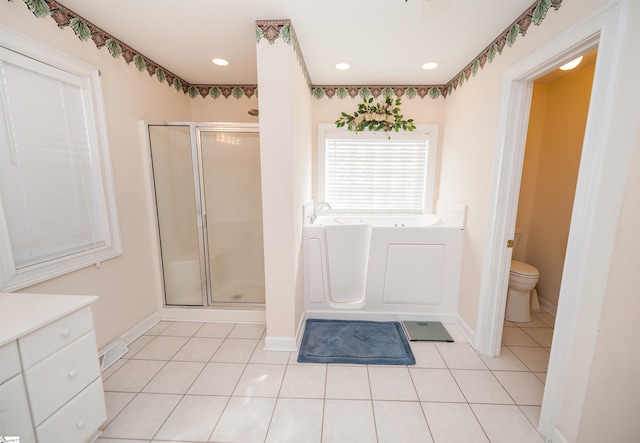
x=51 y=387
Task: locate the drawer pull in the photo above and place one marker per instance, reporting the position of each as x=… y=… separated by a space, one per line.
x=80 y=424
x=65 y=332
x=72 y=373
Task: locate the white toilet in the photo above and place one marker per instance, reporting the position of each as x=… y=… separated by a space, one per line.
x=522 y=280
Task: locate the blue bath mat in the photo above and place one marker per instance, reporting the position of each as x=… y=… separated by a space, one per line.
x=356 y=342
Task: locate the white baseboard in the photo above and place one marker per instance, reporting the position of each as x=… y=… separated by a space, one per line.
x=557 y=437
x=547 y=306
x=469 y=334
x=115 y=350
x=290 y=344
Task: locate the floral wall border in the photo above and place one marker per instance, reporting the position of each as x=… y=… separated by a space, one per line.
x=271 y=30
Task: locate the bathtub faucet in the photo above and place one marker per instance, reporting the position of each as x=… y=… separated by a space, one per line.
x=317 y=209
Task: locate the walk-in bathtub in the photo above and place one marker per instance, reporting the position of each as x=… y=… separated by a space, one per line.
x=383 y=267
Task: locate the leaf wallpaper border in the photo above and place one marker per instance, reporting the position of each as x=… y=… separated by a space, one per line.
x=271 y=30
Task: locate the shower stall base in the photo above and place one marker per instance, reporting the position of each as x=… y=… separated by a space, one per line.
x=239 y=292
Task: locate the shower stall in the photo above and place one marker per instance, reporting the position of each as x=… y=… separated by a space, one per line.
x=209 y=212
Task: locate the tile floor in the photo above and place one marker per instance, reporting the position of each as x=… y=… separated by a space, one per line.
x=210 y=382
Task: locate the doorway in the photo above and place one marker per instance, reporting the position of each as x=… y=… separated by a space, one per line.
x=592 y=230
x=209 y=213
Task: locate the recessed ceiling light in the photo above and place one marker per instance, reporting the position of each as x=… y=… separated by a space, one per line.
x=220 y=61
x=342 y=66
x=572 y=64
x=430 y=65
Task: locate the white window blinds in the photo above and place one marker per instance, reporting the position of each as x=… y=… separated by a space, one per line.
x=56 y=214
x=377 y=175
x=49 y=176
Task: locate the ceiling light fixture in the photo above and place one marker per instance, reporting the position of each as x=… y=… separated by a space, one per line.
x=342 y=66
x=430 y=65
x=572 y=64
x=220 y=61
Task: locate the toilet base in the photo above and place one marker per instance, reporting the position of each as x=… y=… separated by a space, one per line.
x=518 y=306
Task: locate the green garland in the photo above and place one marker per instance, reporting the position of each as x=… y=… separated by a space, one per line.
x=381 y=116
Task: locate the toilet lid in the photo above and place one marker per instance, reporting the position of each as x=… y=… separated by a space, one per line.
x=524 y=269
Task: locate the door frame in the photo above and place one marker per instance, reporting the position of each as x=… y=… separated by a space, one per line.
x=594 y=218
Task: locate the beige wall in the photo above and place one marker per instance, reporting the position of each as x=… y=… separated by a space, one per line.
x=128 y=286
x=285 y=146
x=612 y=400
x=471 y=117
x=556 y=131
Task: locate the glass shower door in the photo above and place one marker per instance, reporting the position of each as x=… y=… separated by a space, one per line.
x=233 y=202
x=178 y=214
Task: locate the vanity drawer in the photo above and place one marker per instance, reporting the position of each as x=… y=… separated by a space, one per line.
x=14 y=411
x=9 y=361
x=47 y=340
x=59 y=377
x=77 y=420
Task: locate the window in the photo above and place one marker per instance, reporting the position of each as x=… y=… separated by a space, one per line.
x=377 y=173
x=57 y=210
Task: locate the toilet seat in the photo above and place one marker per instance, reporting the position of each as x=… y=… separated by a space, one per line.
x=521 y=269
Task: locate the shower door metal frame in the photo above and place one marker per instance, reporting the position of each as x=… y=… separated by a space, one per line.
x=200 y=206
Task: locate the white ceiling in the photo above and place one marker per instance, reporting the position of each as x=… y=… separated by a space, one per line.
x=385 y=41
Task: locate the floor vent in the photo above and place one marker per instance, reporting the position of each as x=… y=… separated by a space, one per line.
x=112 y=354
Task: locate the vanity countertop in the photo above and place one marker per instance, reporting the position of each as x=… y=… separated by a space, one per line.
x=21 y=313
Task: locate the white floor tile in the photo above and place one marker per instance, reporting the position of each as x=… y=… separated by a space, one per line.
x=137 y=345
x=174 y=378
x=453 y=423
x=426 y=355
x=506 y=361
x=391 y=383
x=348 y=421
x=215 y=330
x=296 y=421
x=193 y=419
x=115 y=402
x=481 y=387
x=161 y=348
x=142 y=417
x=547 y=318
x=182 y=329
x=198 y=349
x=455 y=333
x=532 y=413
x=248 y=331
x=113 y=368
x=217 y=379
x=304 y=382
x=269 y=357
x=524 y=387
x=436 y=385
x=245 y=419
x=533 y=323
x=260 y=381
x=460 y=356
x=542 y=376
x=119 y=440
x=400 y=421
x=235 y=350
x=506 y=424
x=536 y=359
x=158 y=327
x=542 y=336
x=517 y=337
x=133 y=375
x=348 y=382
